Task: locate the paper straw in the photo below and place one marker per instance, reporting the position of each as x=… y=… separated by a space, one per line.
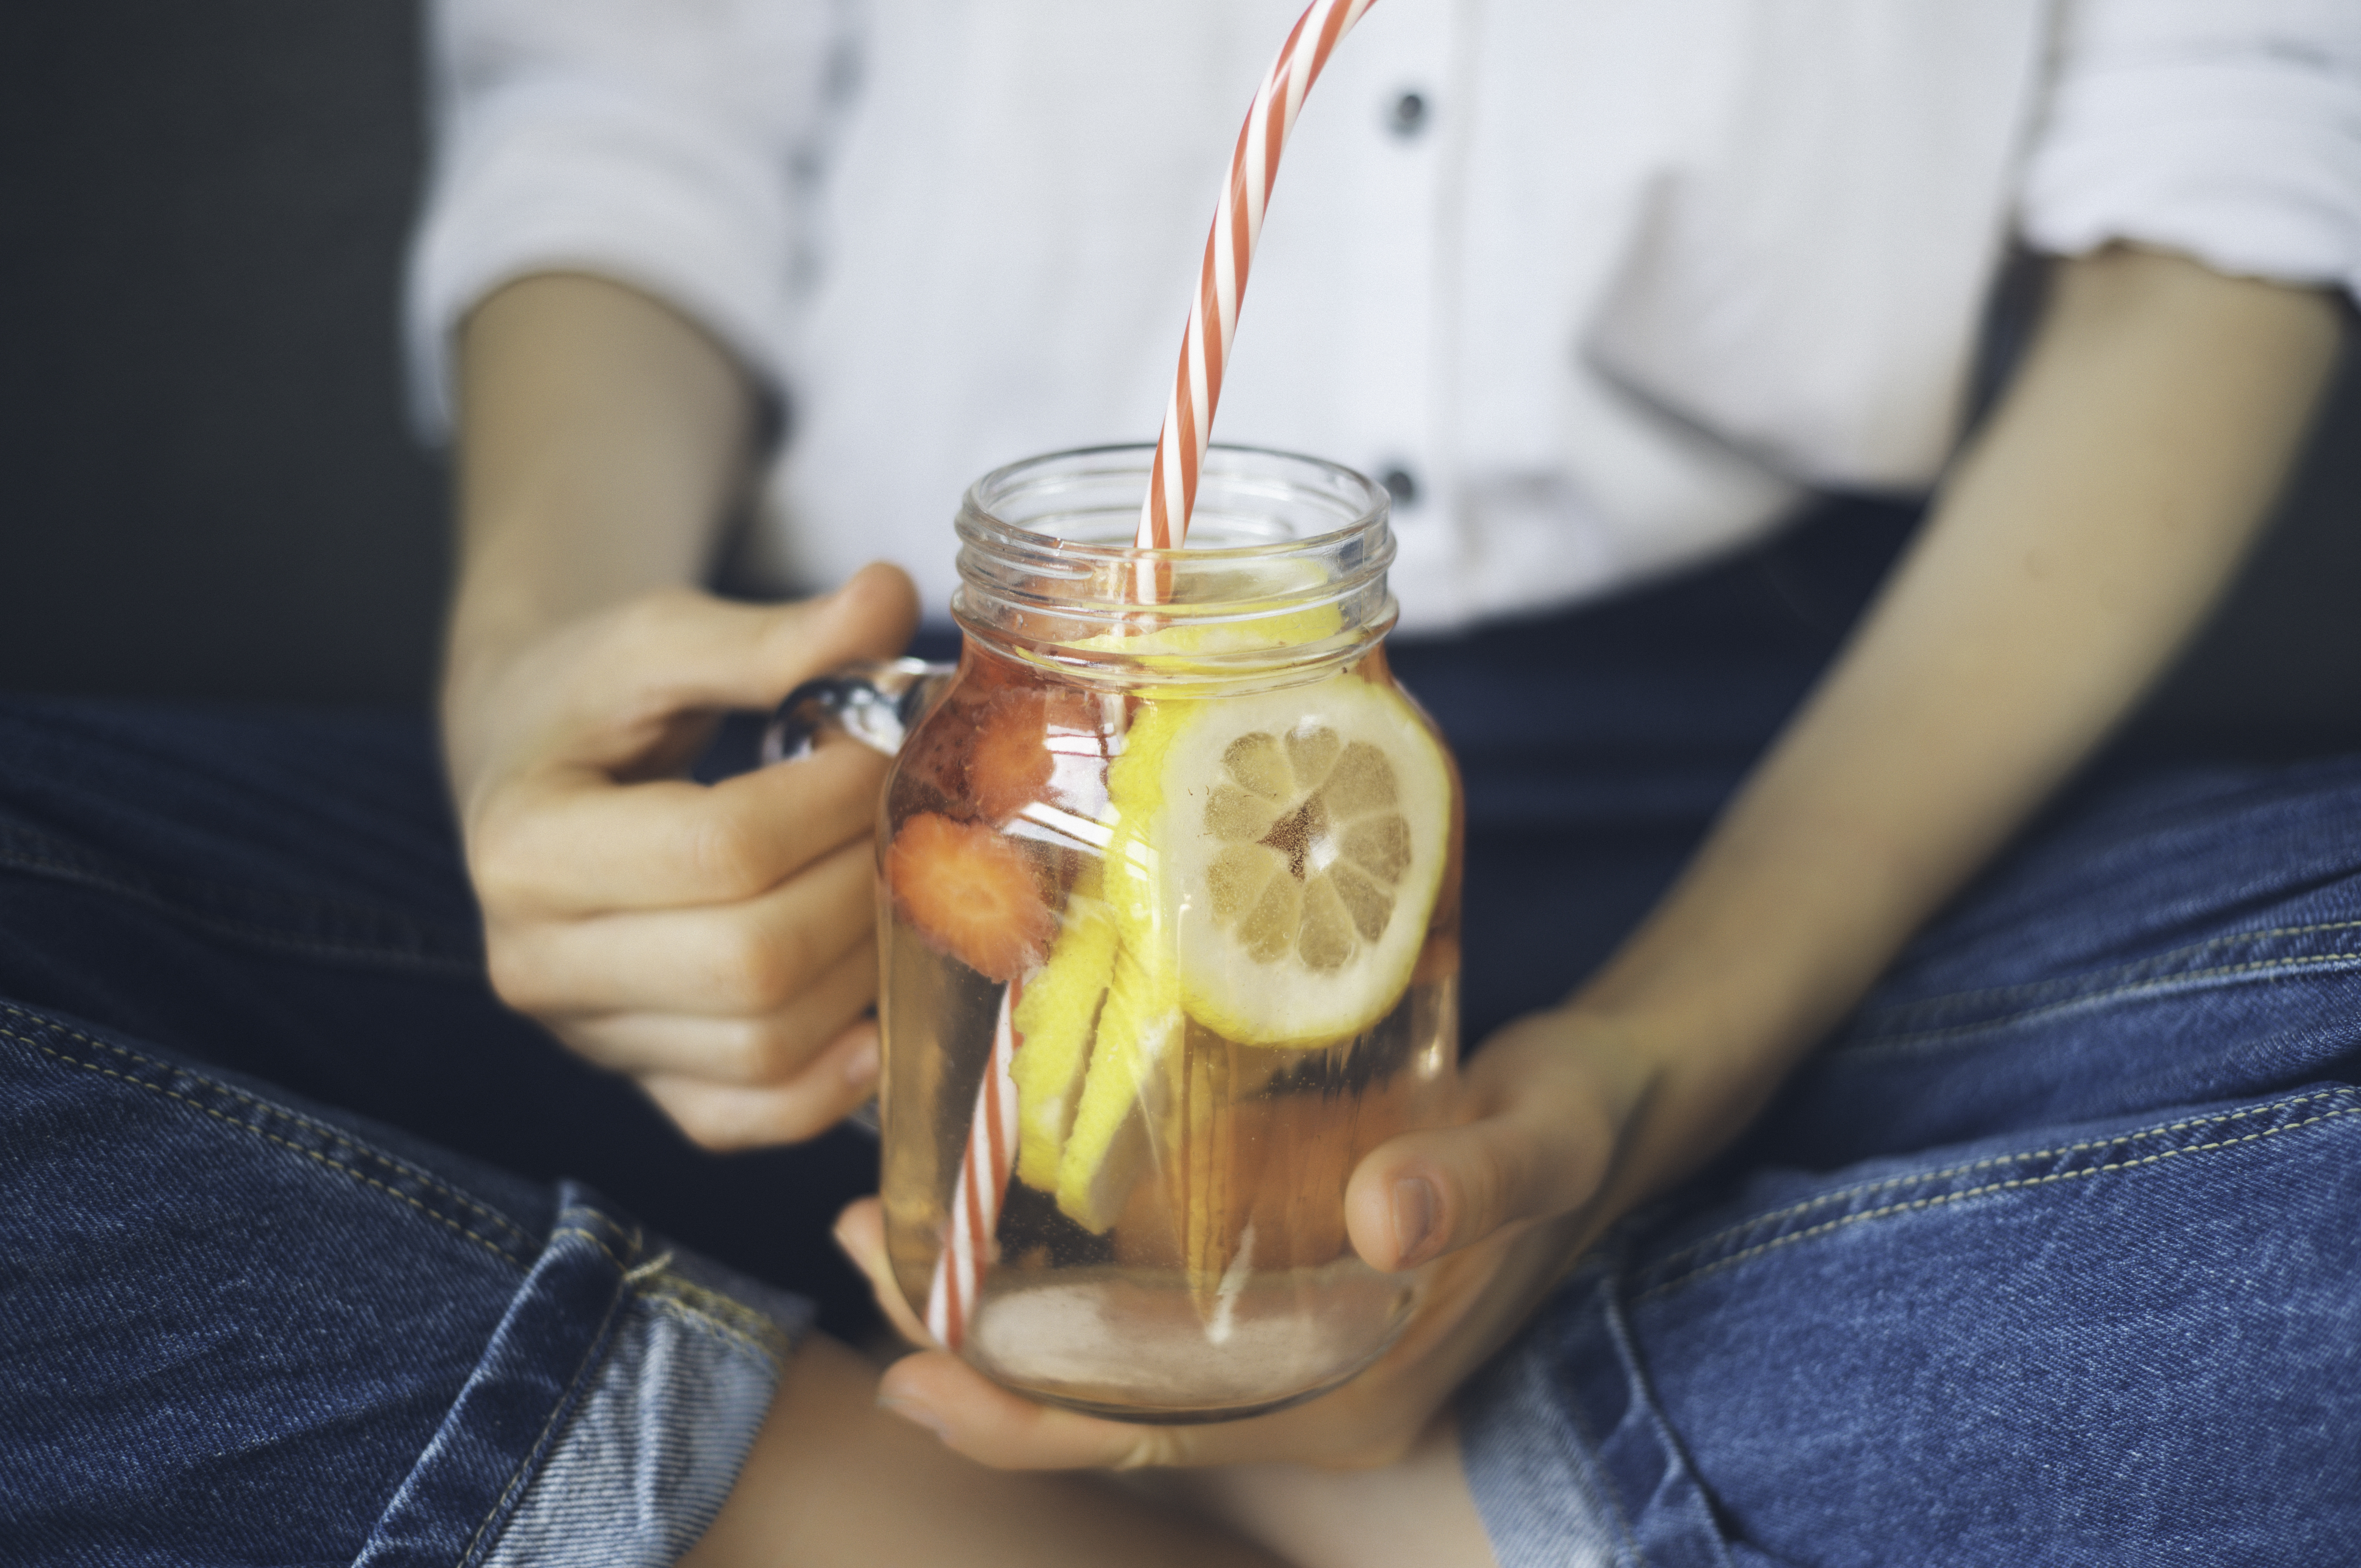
x=991 y=1151
x=982 y=1182
x=1222 y=282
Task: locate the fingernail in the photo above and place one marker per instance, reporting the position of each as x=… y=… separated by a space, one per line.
x=1413 y=1218
x=915 y=1414
x=860 y=1066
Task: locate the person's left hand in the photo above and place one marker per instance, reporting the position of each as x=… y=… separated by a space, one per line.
x=1501 y=1203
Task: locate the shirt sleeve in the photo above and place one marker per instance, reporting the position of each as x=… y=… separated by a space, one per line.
x=2229 y=131
x=658 y=142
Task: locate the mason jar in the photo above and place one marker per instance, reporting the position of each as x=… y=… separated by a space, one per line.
x=1169 y=916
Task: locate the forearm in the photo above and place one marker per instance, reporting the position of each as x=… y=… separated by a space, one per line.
x=713 y=943
x=603 y=441
x=2076 y=545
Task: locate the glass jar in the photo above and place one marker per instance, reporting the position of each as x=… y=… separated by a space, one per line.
x=1169 y=940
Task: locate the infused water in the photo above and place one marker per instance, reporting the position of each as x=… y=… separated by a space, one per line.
x=1224 y=927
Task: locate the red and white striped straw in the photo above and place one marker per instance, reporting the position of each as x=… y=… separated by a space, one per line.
x=1222 y=282
x=991 y=1151
x=983 y=1183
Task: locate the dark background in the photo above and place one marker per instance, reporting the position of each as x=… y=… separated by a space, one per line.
x=207 y=487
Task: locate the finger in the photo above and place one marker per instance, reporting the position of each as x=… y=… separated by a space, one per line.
x=723 y=1117
x=986 y=1422
x=1006 y=1430
x=679 y=650
x=861 y=1232
x=569 y=841
x=750 y=1052
x=721 y=960
x=1539 y=1146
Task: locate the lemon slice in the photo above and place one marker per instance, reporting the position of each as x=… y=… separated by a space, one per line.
x=1126 y=1091
x=1055 y=1019
x=1187 y=646
x=1299 y=841
x=1229 y=611
x=1273 y=861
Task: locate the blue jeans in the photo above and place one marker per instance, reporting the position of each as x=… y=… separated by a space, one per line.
x=2053 y=1256
x=243 y=1329
x=240 y=1321
x=2046 y=1258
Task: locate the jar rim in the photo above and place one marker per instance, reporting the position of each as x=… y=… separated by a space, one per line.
x=1285 y=576
x=976 y=511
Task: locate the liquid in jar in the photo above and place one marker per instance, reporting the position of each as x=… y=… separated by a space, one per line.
x=1224 y=927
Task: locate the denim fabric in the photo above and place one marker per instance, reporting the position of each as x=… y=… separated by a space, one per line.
x=2051 y=1256
x=280 y=893
x=2045 y=1259
x=651 y=1455
x=1597 y=745
x=236 y=1328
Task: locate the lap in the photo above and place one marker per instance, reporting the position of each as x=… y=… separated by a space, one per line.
x=2046 y=1258
x=280 y=893
x=2135 y=1020
x=239 y=1323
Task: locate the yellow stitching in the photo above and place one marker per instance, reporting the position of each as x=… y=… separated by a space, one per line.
x=1758 y=1220
x=566 y=1407
x=773 y=1349
x=2165 y=957
x=1940 y=1198
x=327 y=1132
x=495 y=1248
x=40 y=1022
x=649 y=1269
x=594 y=1241
x=715 y=1305
x=626 y=1237
x=2078 y=999
x=769 y=1352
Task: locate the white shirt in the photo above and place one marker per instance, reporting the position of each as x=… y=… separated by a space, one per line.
x=1640 y=277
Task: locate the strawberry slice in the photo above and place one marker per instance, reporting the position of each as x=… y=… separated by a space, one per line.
x=933 y=767
x=970 y=893
x=1010 y=763
x=1014 y=756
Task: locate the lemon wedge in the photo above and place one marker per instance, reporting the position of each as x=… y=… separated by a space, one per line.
x=1055 y=1018
x=1126 y=1091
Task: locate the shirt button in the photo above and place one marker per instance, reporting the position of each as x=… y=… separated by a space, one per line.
x=1407 y=117
x=1402 y=485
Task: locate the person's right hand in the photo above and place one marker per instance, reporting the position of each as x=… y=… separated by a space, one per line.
x=715 y=944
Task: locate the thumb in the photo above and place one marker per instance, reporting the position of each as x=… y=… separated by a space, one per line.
x=684 y=650
x=1539 y=1145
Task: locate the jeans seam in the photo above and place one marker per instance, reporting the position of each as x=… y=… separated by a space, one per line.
x=604 y=1250
x=672 y=1307
x=669 y=1293
x=2036 y=988
x=1915 y=1177
x=2257 y=969
x=1587 y=1445
x=1828 y=1227
x=265 y=1107
x=527 y=1467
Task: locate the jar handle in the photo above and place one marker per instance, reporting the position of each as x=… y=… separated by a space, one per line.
x=875 y=701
